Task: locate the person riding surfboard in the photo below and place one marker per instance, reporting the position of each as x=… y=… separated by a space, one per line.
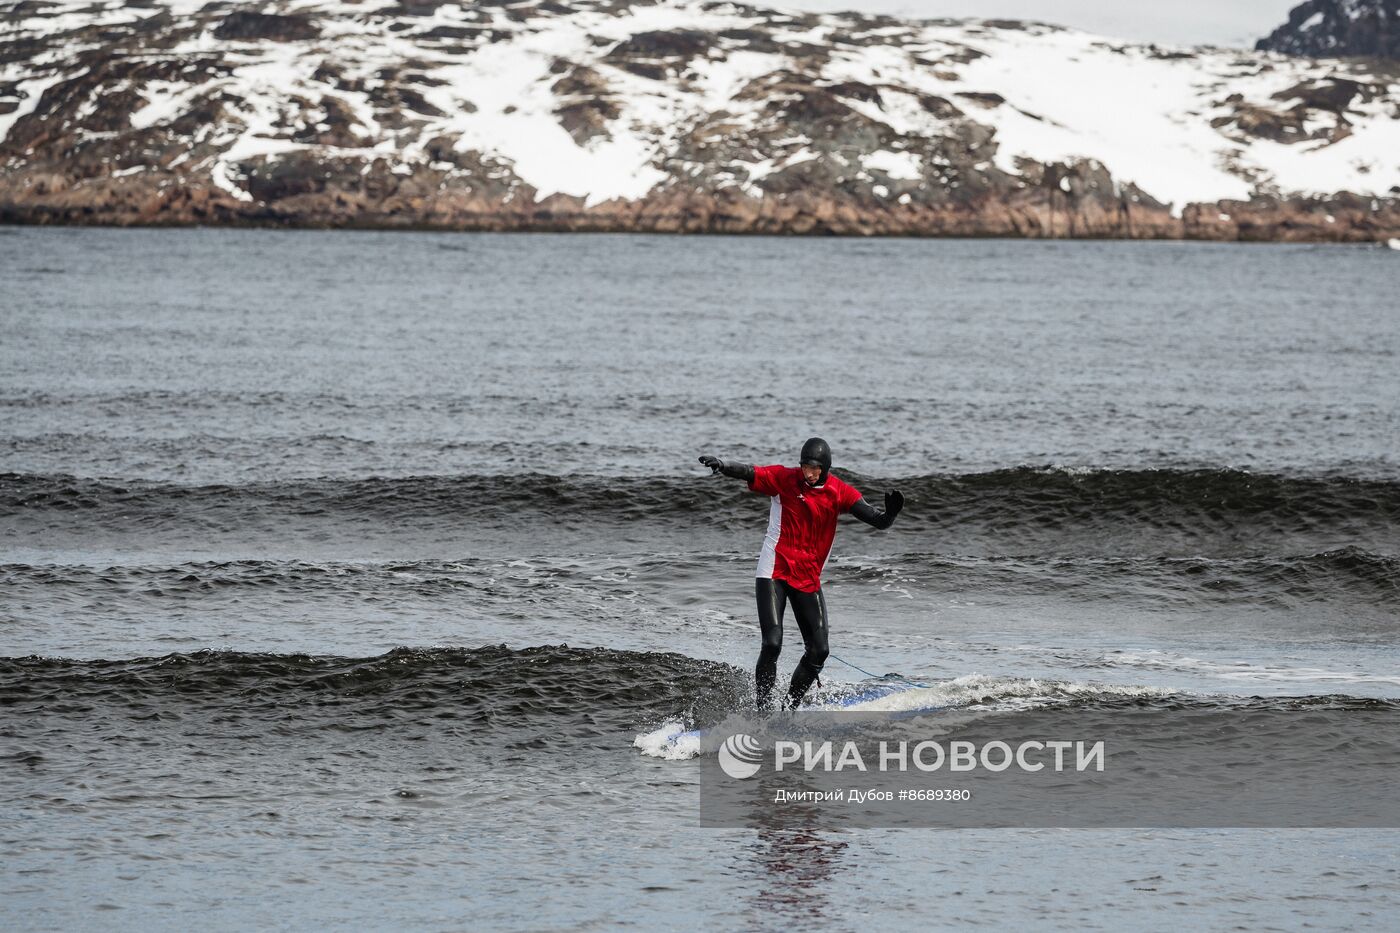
x=805 y=502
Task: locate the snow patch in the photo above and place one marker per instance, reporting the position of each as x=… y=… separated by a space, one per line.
x=29 y=93
x=900 y=165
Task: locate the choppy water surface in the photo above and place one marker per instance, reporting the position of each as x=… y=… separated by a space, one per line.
x=341 y=570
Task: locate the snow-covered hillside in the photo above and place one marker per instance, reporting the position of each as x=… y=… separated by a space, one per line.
x=504 y=113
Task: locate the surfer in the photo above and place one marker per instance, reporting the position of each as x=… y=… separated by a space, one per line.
x=805 y=502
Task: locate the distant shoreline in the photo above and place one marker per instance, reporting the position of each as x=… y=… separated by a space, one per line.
x=1344 y=219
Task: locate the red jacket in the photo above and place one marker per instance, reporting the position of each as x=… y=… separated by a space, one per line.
x=801 y=524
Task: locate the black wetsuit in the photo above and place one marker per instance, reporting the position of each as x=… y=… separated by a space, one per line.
x=810 y=611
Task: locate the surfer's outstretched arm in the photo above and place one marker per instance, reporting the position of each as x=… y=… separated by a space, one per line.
x=879 y=518
x=730 y=468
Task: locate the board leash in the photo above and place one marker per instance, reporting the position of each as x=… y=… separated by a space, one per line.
x=914 y=683
x=861 y=669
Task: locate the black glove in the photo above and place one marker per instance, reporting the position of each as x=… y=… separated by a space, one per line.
x=732 y=469
x=863 y=510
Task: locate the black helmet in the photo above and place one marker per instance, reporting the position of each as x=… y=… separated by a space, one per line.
x=818 y=453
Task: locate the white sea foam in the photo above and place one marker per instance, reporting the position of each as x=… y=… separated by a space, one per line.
x=1246 y=671
x=980 y=690
x=669 y=742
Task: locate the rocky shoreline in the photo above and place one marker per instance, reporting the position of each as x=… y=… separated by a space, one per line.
x=1036 y=214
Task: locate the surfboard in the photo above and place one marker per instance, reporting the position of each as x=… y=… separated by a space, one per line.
x=681 y=742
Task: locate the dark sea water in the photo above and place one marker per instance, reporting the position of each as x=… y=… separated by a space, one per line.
x=340 y=572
